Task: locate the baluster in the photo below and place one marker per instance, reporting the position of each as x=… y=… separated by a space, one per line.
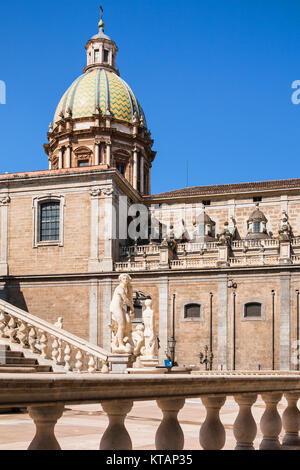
x=92 y=365
x=116 y=436
x=59 y=357
x=43 y=345
x=67 y=358
x=55 y=351
x=245 y=428
x=32 y=340
x=105 y=368
x=2 y=324
x=12 y=330
x=291 y=420
x=45 y=419
x=78 y=364
x=270 y=423
x=23 y=335
x=212 y=432
x=169 y=435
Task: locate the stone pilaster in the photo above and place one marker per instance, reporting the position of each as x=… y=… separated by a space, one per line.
x=285 y=306
x=105 y=314
x=163 y=317
x=4 y=203
x=94 y=264
x=94 y=327
x=222 y=321
x=109 y=229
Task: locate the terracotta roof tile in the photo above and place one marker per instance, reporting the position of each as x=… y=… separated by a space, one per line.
x=231 y=188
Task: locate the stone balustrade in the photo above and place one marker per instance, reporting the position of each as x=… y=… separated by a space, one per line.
x=50 y=343
x=265 y=252
x=45 y=397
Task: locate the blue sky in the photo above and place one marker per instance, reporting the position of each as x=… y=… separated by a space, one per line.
x=214 y=78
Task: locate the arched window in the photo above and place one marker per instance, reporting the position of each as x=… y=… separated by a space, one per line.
x=192 y=311
x=252 y=310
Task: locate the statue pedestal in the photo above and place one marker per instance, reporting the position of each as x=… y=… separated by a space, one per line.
x=119 y=363
x=146 y=370
x=148 y=362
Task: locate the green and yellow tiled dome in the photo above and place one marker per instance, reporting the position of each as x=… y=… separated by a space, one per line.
x=99 y=87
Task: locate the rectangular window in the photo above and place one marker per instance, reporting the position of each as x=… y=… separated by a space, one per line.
x=121 y=168
x=49 y=221
x=257 y=199
x=105 y=55
x=256 y=227
x=97 y=56
x=206 y=203
x=252 y=309
x=83 y=163
x=192 y=311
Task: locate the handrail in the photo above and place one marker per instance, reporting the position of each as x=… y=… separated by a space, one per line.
x=59 y=333
x=46 y=396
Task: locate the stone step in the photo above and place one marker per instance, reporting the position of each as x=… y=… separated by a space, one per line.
x=11 y=354
x=18 y=370
x=40 y=369
x=23 y=361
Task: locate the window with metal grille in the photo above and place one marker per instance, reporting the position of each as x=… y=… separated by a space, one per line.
x=192 y=311
x=252 y=309
x=256 y=227
x=49 y=221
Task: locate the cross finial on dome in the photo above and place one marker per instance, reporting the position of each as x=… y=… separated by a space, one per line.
x=101 y=23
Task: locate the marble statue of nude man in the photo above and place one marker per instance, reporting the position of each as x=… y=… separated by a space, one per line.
x=122 y=326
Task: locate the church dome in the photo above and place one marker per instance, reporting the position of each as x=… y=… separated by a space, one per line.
x=99 y=87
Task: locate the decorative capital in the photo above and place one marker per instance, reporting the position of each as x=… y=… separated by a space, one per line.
x=5 y=201
x=95 y=192
x=108 y=191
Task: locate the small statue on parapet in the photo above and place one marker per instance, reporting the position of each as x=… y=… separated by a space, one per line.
x=285 y=229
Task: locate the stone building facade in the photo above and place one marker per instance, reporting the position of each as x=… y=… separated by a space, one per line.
x=229 y=253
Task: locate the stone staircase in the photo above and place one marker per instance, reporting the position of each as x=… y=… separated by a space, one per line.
x=13 y=361
x=30 y=344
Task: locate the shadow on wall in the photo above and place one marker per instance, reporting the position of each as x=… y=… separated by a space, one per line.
x=12 y=293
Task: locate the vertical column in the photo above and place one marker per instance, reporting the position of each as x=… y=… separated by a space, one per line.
x=109 y=229
x=106 y=316
x=108 y=154
x=135 y=166
x=68 y=156
x=285 y=282
x=163 y=316
x=4 y=202
x=94 y=312
x=142 y=173
x=60 y=159
x=97 y=154
x=94 y=257
x=149 y=181
x=222 y=321
x=50 y=164
x=101 y=54
x=110 y=58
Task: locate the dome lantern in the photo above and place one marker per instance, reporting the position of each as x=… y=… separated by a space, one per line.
x=101 y=50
